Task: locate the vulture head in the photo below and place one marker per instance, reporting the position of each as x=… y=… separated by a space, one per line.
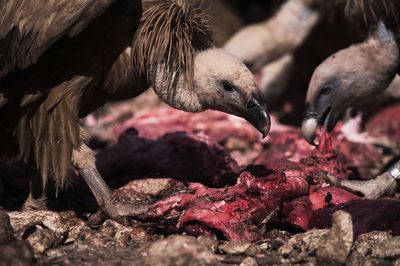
x=225 y=84
x=187 y=72
x=348 y=78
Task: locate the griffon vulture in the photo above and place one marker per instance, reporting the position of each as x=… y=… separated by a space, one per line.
x=62 y=59
x=355 y=76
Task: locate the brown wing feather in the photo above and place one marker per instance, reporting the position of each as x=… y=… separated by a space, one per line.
x=371 y=10
x=61 y=51
x=29 y=27
x=175 y=30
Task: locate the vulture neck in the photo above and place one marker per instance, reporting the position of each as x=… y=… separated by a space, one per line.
x=179 y=95
x=165 y=46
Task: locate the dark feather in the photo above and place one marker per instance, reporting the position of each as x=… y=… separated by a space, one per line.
x=52 y=53
x=175 y=30
x=29 y=28
x=371 y=10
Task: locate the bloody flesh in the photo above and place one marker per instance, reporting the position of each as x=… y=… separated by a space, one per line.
x=277 y=181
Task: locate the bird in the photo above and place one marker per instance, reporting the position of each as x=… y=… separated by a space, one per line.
x=349 y=78
x=61 y=60
x=274 y=77
x=224 y=19
x=264 y=42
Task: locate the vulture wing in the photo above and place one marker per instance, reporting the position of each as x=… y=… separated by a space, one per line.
x=51 y=53
x=29 y=27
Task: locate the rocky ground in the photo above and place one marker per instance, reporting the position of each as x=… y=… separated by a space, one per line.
x=214 y=193
x=60 y=238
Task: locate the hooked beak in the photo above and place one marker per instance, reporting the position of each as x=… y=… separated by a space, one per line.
x=314 y=119
x=257 y=116
x=309 y=129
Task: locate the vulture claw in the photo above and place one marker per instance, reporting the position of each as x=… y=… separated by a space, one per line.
x=375 y=188
x=124 y=212
x=121 y=212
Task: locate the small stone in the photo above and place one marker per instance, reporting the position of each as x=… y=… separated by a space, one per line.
x=388 y=249
x=145 y=189
x=365 y=242
x=272 y=244
x=122 y=234
x=74 y=232
x=363 y=246
x=209 y=242
x=274 y=239
x=6 y=231
x=286 y=250
x=239 y=248
x=42 y=238
x=369 y=261
x=304 y=243
x=339 y=240
x=50 y=219
x=180 y=250
x=16 y=253
x=249 y=261
x=278 y=235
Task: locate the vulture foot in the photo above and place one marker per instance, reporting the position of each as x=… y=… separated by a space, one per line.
x=122 y=212
x=119 y=211
x=37 y=199
x=375 y=188
x=32 y=204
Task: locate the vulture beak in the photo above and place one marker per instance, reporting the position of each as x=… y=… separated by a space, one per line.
x=314 y=119
x=258 y=116
x=309 y=128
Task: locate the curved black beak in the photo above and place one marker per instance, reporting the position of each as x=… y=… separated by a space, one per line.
x=258 y=116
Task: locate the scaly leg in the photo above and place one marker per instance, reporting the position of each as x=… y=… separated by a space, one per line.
x=84 y=161
x=384 y=184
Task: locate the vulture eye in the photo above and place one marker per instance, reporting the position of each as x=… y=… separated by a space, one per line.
x=228 y=87
x=326 y=90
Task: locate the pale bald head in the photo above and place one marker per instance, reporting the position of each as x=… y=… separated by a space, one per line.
x=220 y=82
x=224 y=83
x=215 y=69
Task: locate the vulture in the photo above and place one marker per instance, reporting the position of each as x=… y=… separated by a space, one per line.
x=62 y=59
x=261 y=43
x=353 y=77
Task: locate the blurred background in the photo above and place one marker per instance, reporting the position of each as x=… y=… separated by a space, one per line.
x=282 y=42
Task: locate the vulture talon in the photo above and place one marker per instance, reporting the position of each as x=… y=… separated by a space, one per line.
x=32 y=204
x=37 y=198
x=111 y=206
x=123 y=213
x=375 y=188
